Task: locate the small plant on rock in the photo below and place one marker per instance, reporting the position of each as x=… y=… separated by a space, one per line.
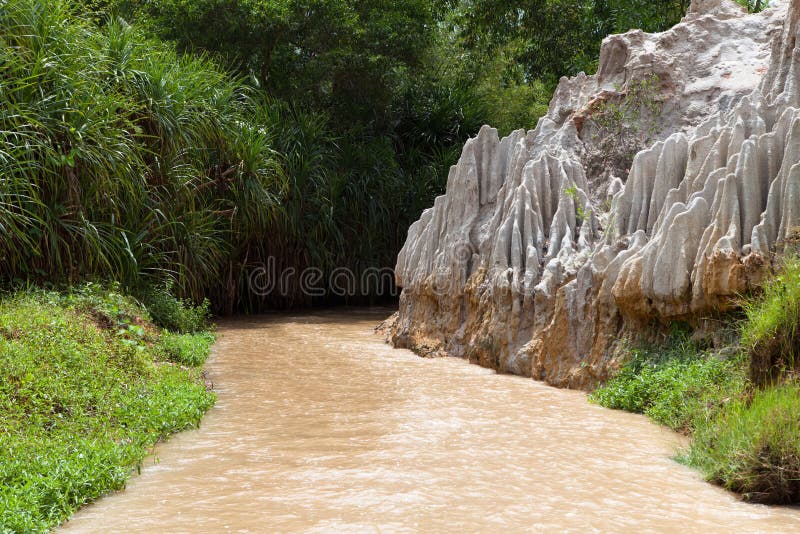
x=622 y=125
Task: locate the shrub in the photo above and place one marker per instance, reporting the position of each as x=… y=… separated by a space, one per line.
x=754 y=6
x=187 y=349
x=753 y=447
x=175 y=314
x=623 y=124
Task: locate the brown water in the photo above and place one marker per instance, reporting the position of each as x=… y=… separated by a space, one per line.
x=320 y=427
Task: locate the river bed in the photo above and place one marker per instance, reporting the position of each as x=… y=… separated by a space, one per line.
x=321 y=427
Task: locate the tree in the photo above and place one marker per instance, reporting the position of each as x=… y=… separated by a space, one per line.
x=344 y=57
x=555 y=38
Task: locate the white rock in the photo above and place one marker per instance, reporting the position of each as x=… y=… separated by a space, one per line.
x=531 y=264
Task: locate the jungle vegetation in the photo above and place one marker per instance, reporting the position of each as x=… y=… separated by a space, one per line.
x=167 y=142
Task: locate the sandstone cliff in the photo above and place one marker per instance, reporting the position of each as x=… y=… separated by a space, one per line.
x=658 y=189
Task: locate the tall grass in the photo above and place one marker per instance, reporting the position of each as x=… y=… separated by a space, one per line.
x=752 y=446
x=121 y=159
x=124 y=160
x=771 y=333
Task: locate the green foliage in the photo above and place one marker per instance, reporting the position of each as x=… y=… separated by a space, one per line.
x=82 y=400
x=345 y=56
x=187 y=349
x=174 y=314
x=121 y=159
x=127 y=161
x=366 y=118
x=581 y=211
x=571 y=192
x=770 y=333
x=674 y=383
x=753 y=446
x=636 y=109
x=754 y=6
x=554 y=38
x=548 y=39
x=490 y=87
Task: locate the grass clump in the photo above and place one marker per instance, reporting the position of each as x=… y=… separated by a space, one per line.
x=752 y=446
x=175 y=314
x=770 y=332
x=84 y=394
x=673 y=383
x=187 y=349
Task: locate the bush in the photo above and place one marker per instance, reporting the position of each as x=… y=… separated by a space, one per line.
x=175 y=314
x=754 y=6
x=753 y=447
x=622 y=126
x=770 y=332
x=187 y=349
x=673 y=384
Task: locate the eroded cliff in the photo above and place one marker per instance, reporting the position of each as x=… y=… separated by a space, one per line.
x=658 y=189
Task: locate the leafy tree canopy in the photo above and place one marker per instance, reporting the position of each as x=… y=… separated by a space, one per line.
x=346 y=57
x=554 y=38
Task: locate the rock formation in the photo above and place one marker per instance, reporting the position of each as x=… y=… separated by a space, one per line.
x=549 y=244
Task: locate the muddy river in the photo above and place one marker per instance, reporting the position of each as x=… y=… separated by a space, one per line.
x=321 y=427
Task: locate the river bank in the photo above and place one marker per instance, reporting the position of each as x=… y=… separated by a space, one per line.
x=319 y=426
x=88 y=384
x=733 y=389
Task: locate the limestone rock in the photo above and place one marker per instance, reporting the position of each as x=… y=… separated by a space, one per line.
x=546 y=246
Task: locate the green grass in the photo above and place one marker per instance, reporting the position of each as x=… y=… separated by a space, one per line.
x=674 y=383
x=187 y=349
x=752 y=446
x=743 y=413
x=85 y=391
x=744 y=440
x=770 y=333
